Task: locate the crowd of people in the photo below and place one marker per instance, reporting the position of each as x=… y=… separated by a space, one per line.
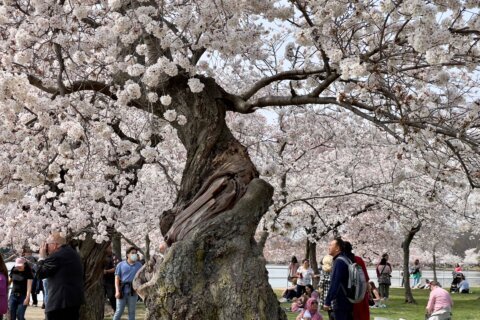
x=329 y=291
x=58 y=273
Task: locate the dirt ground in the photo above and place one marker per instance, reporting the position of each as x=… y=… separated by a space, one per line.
x=37 y=313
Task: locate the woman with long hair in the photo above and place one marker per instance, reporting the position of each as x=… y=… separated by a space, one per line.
x=384 y=273
x=292 y=269
x=3 y=287
x=361 y=310
x=375 y=301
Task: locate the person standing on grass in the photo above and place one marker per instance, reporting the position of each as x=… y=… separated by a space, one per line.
x=336 y=302
x=64 y=270
x=416 y=273
x=361 y=310
x=439 y=306
x=304 y=276
x=292 y=269
x=124 y=292
x=384 y=273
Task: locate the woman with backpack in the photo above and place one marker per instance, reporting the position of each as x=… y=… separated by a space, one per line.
x=361 y=310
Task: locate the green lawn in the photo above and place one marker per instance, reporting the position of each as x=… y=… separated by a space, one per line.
x=466 y=306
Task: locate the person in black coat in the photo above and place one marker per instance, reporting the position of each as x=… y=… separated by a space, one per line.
x=64 y=271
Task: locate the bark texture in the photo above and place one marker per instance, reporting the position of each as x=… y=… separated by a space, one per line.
x=218 y=271
x=214 y=269
x=93 y=256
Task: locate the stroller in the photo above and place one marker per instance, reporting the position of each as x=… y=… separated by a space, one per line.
x=457 y=278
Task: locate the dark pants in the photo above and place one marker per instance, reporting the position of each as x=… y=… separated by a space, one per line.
x=110 y=293
x=34 y=291
x=71 y=313
x=341 y=315
x=290 y=294
x=300 y=290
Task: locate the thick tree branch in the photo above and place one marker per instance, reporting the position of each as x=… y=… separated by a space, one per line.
x=464 y=30
x=324 y=85
x=287 y=75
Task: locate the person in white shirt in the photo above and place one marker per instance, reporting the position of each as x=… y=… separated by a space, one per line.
x=304 y=276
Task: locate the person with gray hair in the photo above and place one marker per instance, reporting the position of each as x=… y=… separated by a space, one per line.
x=63 y=268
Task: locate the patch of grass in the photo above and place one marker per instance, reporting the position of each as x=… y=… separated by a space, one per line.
x=466 y=306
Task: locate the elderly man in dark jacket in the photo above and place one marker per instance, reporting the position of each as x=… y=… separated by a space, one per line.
x=64 y=271
x=336 y=302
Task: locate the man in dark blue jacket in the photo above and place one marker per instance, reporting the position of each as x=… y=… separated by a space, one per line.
x=336 y=302
x=64 y=271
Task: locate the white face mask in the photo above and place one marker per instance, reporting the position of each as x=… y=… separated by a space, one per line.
x=133 y=257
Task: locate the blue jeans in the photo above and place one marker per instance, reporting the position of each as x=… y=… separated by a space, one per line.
x=132 y=304
x=416 y=281
x=16 y=307
x=45 y=291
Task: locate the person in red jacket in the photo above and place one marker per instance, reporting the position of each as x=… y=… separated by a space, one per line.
x=361 y=310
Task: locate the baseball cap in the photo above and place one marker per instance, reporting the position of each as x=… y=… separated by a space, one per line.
x=20 y=262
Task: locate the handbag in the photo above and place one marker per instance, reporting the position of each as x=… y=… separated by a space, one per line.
x=384 y=278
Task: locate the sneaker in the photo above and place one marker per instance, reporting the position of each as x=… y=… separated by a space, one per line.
x=383 y=306
x=43 y=306
x=282 y=300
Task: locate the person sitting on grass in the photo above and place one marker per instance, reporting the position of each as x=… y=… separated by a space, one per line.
x=311 y=311
x=298 y=304
x=425 y=286
x=464 y=286
x=290 y=292
x=375 y=301
x=310 y=292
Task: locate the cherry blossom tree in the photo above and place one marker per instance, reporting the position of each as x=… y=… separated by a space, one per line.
x=72 y=70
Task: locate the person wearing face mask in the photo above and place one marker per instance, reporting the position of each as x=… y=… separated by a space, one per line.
x=64 y=270
x=124 y=293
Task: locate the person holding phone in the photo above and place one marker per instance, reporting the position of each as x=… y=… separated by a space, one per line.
x=64 y=270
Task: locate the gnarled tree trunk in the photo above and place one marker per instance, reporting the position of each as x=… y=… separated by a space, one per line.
x=93 y=256
x=214 y=268
x=406 y=259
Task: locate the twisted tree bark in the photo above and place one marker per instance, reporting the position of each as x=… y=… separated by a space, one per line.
x=214 y=268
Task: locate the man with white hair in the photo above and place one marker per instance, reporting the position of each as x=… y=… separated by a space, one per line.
x=64 y=270
x=440 y=303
